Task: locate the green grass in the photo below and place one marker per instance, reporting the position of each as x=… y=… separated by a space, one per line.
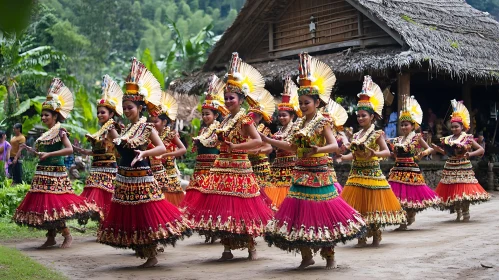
x=10 y=230
x=15 y=265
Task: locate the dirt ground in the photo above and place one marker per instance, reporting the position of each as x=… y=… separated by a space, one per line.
x=435 y=247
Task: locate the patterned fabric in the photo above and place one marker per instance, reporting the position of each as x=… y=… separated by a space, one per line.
x=232 y=173
x=406 y=170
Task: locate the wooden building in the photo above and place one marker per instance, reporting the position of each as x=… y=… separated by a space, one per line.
x=434 y=49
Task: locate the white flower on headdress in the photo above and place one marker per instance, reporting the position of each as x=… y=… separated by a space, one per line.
x=245 y=89
x=142 y=89
x=237 y=76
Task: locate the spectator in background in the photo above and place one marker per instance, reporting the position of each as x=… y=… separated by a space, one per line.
x=432 y=119
x=391 y=123
x=15 y=167
x=4 y=151
x=481 y=140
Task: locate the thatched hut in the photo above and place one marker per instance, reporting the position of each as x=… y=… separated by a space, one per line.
x=434 y=49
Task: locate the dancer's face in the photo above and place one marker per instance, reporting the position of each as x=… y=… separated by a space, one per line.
x=131 y=110
x=308 y=105
x=49 y=118
x=158 y=123
x=284 y=117
x=104 y=114
x=364 y=118
x=456 y=128
x=208 y=116
x=406 y=127
x=257 y=118
x=232 y=101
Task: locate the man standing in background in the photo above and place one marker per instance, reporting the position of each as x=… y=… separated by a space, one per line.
x=15 y=167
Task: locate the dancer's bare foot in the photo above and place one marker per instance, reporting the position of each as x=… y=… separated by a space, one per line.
x=466 y=217
x=459 y=215
x=331 y=264
x=149 y=263
x=376 y=242
x=49 y=243
x=252 y=255
x=68 y=239
x=402 y=227
x=226 y=256
x=306 y=263
x=361 y=243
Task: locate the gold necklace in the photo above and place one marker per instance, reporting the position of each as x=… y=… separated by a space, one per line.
x=361 y=139
x=230 y=121
x=129 y=131
x=104 y=128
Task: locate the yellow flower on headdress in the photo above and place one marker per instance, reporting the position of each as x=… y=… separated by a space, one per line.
x=316 y=77
x=371 y=97
x=112 y=95
x=460 y=113
x=169 y=105
x=59 y=98
x=242 y=77
x=262 y=102
x=215 y=96
x=411 y=111
x=141 y=85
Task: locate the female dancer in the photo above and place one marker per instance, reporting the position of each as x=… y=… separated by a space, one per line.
x=366 y=189
x=458 y=187
x=99 y=186
x=163 y=167
x=139 y=217
x=206 y=143
x=51 y=200
x=262 y=106
x=232 y=207
x=282 y=167
x=406 y=179
x=338 y=117
x=313 y=216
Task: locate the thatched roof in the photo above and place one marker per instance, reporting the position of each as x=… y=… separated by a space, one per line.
x=446 y=36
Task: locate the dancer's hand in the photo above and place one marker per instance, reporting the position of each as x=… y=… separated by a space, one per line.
x=313 y=150
x=264 y=137
x=42 y=155
x=339 y=159
x=466 y=155
x=231 y=146
x=437 y=148
x=138 y=157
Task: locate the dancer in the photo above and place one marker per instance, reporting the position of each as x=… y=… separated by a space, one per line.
x=313 y=216
x=99 y=186
x=406 y=179
x=262 y=106
x=366 y=189
x=338 y=117
x=282 y=167
x=51 y=200
x=163 y=167
x=206 y=143
x=458 y=187
x=232 y=207
x=139 y=217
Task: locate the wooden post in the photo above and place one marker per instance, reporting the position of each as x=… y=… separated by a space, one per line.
x=404 y=90
x=360 y=26
x=271 y=39
x=466 y=92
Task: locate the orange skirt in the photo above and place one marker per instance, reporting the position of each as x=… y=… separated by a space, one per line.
x=459 y=192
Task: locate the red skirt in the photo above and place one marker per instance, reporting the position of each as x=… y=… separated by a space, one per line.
x=141 y=225
x=463 y=192
x=50 y=210
x=99 y=200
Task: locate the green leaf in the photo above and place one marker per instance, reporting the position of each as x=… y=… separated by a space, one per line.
x=23 y=107
x=151 y=66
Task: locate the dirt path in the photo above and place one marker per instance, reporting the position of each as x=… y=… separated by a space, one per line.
x=436 y=247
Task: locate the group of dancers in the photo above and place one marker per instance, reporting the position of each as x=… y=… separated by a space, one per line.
x=235 y=195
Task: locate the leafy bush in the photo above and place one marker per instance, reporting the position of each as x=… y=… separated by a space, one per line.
x=78 y=186
x=11 y=197
x=29 y=168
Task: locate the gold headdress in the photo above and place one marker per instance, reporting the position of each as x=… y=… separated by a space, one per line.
x=112 y=95
x=290 y=98
x=460 y=114
x=242 y=78
x=215 y=96
x=411 y=111
x=141 y=85
x=262 y=102
x=371 y=98
x=316 y=78
x=336 y=113
x=59 y=99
